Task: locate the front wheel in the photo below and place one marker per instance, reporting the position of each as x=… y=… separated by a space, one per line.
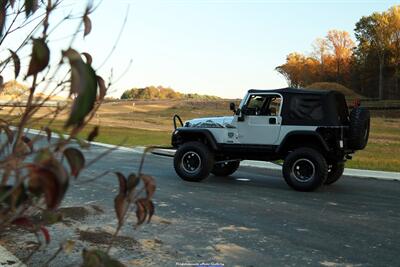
x=225 y=168
x=305 y=169
x=193 y=161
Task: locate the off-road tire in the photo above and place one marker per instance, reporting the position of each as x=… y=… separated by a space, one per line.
x=359 y=128
x=225 y=168
x=335 y=172
x=305 y=169
x=193 y=161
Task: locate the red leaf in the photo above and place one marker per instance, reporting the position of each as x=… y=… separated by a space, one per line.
x=122 y=183
x=149 y=185
x=148 y=206
x=120 y=205
x=46 y=234
x=75 y=159
x=133 y=181
x=23 y=222
x=88 y=57
x=87 y=25
x=141 y=212
x=51 y=178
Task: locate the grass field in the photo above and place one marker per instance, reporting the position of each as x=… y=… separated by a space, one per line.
x=150 y=123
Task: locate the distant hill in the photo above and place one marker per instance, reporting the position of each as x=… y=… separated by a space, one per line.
x=13 y=90
x=159 y=92
x=334 y=86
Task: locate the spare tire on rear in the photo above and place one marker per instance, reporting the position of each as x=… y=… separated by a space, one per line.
x=359 y=128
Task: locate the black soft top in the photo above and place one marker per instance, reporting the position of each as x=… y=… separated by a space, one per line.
x=311 y=107
x=290 y=90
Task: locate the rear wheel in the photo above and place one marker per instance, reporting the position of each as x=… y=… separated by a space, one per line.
x=193 y=161
x=305 y=169
x=225 y=168
x=335 y=172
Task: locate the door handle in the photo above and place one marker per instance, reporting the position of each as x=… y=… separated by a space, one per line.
x=272 y=120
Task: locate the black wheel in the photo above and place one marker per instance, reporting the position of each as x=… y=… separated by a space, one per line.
x=359 y=128
x=225 y=168
x=193 y=161
x=335 y=172
x=305 y=169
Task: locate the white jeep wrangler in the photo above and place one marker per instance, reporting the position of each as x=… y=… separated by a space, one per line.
x=311 y=131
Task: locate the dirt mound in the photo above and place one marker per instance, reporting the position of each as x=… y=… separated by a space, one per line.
x=334 y=86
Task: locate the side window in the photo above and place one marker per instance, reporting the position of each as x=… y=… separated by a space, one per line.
x=263 y=105
x=275 y=106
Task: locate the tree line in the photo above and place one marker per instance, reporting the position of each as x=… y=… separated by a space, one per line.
x=369 y=66
x=159 y=92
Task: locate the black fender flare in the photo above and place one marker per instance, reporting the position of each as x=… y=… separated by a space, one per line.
x=193 y=134
x=310 y=134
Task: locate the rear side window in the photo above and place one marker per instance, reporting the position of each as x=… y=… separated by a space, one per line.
x=306 y=108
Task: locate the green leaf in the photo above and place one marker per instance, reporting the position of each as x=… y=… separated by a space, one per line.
x=40 y=57
x=17 y=63
x=93 y=134
x=12 y=196
x=30 y=7
x=75 y=159
x=1 y=83
x=3 y=11
x=84 y=84
x=102 y=87
x=48 y=133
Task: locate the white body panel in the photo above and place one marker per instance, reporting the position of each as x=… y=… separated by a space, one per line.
x=255 y=130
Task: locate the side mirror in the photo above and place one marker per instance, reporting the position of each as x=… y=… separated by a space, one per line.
x=232 y=107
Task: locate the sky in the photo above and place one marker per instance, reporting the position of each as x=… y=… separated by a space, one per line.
x=213 y=47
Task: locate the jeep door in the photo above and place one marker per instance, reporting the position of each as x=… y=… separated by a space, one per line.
x=260 y=121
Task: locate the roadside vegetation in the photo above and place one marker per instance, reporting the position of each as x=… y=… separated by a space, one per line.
x=150 y=123
x=36 y=173
x=159 y=92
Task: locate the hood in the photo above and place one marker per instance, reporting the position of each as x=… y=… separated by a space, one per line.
x=212 y=122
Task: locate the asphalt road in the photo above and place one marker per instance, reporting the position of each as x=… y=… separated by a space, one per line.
x=251 y=218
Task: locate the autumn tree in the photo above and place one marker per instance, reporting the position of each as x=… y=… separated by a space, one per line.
x=341 y=46
x=378 y=52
